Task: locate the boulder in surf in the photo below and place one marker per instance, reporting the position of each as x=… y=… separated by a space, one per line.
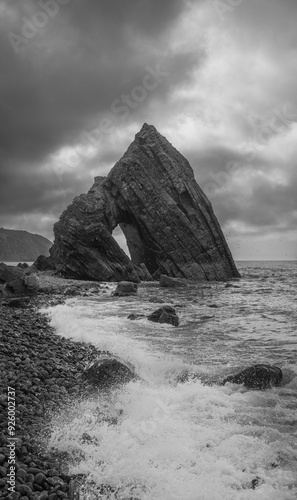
x=125 y=288
x=169 y=282
x=257 y=377
x=106 y=370
x=165 y=314
x=133 y=316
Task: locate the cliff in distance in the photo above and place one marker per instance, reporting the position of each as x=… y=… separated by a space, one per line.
x=167 y=220
x=21 y=246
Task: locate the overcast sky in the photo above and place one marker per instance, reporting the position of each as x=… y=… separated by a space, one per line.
x=216 y=77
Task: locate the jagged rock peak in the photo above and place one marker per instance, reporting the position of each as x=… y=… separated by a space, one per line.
x=169 y=224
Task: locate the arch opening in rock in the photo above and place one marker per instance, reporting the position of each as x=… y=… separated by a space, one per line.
x=120 y=238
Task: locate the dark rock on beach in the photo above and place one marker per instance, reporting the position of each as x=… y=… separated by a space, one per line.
x=108 y=369
x=8 y=273
x=169 y=223
x=165 y=314
x=257 y=377
x=169 y=282
x=44 y=263
x=17 y=282
x=47 y=289
x=125 y=288
x=19 y=302
x=23 y=265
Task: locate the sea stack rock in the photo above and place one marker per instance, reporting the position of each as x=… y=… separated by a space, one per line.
x=169 y=224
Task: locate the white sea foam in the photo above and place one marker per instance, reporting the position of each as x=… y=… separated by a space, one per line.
x=156 y=440
x=186 y=442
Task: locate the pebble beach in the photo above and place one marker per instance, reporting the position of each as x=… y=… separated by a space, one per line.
x=211 y=441
x=40 y=371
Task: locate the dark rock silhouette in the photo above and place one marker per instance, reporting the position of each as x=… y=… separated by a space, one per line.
x=165 y=314
x=257 y=377
x=19 y=302
x=23 y=265
x=44 y=263
x=133 y=316
x=168 y=221
x=17 y=282
x=256 y=483
x=169 y=282
x=125 y=288
x=108 y=369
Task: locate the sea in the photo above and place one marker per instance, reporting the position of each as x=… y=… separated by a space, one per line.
x=158 y=439
x=14 y=264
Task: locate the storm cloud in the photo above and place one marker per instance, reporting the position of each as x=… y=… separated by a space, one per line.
x=79 y=78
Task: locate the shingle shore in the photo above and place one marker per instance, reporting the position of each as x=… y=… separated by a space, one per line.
x=44 y=369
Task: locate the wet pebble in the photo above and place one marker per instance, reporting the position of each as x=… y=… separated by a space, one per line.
x=45 y=373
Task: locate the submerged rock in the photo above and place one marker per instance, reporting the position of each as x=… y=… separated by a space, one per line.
x=125 y=288
x=186 y=376
x=257 y=377
x=169 y=282
x=231 y=285
x=256 y=483
x=108 y=369
x=133 y=316
x=72 y=291
x=165 y=314
x=46 y=289
x=168 y=222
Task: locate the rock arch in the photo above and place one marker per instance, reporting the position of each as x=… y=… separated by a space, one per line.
x=167 y=220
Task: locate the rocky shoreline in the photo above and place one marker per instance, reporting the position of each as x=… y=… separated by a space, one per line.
x=43 y=373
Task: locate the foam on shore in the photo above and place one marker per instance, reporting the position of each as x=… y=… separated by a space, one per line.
x=162 y=441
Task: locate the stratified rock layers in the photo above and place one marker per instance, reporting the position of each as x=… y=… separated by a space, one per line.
x=168 y=221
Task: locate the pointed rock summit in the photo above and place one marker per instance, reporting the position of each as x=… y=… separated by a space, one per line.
x=169 y=224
